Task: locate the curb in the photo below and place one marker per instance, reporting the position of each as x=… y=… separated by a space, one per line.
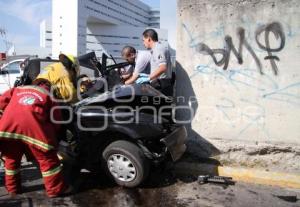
x=286 y=180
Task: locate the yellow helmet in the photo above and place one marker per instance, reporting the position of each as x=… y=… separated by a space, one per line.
x=73 y=59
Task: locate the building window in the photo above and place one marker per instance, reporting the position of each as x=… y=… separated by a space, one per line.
x=122 y=13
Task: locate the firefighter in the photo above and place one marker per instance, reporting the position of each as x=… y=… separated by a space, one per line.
x=62 y=76
x=26 y=126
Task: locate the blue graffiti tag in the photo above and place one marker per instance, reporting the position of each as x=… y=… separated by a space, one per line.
x=289 y=94
x=254 y=119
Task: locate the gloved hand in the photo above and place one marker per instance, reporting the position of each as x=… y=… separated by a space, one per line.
x=143 y=78
x=143 y=75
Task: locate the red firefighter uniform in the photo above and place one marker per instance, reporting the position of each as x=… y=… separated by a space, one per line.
x=26 y=126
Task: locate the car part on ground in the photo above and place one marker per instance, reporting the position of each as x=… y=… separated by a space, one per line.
x=202 y=179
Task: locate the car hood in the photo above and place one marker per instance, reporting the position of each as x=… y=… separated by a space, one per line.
x=122 y=92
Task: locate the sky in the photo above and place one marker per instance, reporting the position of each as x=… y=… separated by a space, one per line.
x=21 y=19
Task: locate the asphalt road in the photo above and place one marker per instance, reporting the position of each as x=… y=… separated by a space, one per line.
x=162 y=188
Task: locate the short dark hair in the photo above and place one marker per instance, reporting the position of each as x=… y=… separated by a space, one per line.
x=151 y=33
x=128 y=50
x=82 y=76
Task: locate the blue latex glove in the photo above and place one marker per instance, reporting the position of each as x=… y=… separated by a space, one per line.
x=143 y=78
x=143 y=75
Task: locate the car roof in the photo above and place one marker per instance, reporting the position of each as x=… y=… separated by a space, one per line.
x=12 y=61
x=16 y=60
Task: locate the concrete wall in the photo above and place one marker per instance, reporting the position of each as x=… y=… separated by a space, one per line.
x=241 y=60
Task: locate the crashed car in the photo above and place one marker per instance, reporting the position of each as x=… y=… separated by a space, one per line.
x=121 y=129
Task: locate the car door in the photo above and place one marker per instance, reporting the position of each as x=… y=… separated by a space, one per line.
x=8 y=75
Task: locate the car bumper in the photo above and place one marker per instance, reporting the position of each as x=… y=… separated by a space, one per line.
x=175 y=142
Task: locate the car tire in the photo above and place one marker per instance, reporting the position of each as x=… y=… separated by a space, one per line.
x=125 y=163
x=71 y=173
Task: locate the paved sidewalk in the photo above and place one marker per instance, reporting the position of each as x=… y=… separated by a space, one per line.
x=190 y=165
x=174 y=186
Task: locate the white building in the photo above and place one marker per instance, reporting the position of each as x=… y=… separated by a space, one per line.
x=45 y=34
x=154 y=18
x=81 y=26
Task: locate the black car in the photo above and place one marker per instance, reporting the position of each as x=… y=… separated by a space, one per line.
x=123 y=129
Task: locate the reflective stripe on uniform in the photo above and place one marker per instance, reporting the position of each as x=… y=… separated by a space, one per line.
x=26 y=139
x=11 y=172
x=35 y=88
x=51 y=172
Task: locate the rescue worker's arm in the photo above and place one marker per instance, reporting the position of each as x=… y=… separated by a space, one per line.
x=61 y=82
x=155 y=74
x=67 y=91
x=57 y=116
x=126 y=76
x=162 y=61
x=5 y=99
x=132 y=79
x=142 y=62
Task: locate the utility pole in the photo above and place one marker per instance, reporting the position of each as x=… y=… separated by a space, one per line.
x=7 y=43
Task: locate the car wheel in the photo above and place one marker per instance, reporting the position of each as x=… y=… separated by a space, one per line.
x=125 y=163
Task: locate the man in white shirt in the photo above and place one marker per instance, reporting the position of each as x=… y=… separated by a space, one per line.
x=161 y=68
x=140 y=61
x=160 y=56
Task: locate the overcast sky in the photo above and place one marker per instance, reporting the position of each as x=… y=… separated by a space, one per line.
x=21 y=19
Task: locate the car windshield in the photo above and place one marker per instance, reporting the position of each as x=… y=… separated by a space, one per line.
x=13 y=67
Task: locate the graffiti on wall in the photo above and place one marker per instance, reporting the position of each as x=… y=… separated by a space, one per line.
x=274 y=28
x=268 y=87
x=278 y=32
x=261 y=47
